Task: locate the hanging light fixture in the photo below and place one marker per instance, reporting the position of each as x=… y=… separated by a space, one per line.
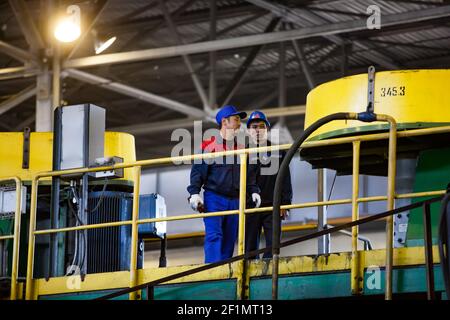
x=68 y=28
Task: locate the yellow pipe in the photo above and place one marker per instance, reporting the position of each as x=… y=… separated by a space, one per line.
x=372 y=199
x=375 y=136
x=15 y=236
x=404 y=196
x=392 y=157
x=355 y=193
x=84 y=227
x=16 y=242
x=242 y=200
x=31 y=239
x=302 y=205
x=167 y=160
x=189 y=216
x=199 y=234
x=241 y=231
x=421 y=194
x=134 y=232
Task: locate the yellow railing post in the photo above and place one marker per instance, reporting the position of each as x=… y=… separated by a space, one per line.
x=29 y=292
x=355 y=276
x=390 y=202
x=16 y=242
x=134 y=232
x=241 y=230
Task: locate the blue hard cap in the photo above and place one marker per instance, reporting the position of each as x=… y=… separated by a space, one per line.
x=228 y=111
x=258 y=115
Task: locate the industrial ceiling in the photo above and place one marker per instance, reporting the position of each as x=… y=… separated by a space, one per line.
x=177 y=60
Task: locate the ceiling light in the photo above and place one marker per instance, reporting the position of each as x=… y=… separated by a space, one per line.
x=101 y=43
x=68 y=28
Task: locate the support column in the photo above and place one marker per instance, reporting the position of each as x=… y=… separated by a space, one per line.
x=282 y=79
x=345 y=49
x=44 y=109
x=213 y=58
x=56 y=101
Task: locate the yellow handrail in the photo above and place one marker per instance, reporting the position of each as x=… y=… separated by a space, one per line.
x=355 y=276
x=15 y=236
x=390 y=196
x=247 y=211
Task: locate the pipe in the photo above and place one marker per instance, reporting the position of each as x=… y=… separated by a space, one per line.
x=367 y=243
x=31 y=240
x=355 y=276
x=134 y=233
x=390 y=201
x=16 y=241
x=242 y=200
x=278 y=187
x=241 y=230
x=443 y=241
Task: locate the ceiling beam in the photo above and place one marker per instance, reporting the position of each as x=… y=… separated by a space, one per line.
x=186 y=59
x=239 y=76
x=17 y=72
x=198 y=16
x=303 y=62
x=25 y=123
x=253 y=40
x=147 y=31
x=27 y=25
x=17 y=99
x=300 y=15
x=153 y=127
x=134 y=92
x=15 y=52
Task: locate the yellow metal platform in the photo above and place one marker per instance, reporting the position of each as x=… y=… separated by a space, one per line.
x=305 y=272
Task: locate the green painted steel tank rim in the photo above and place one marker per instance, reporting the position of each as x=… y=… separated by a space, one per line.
x=376 y=127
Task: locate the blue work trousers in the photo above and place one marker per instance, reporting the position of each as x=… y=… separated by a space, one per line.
x=221 y=231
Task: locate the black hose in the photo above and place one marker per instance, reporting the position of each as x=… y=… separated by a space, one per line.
x=278 y=188
x=443 y=243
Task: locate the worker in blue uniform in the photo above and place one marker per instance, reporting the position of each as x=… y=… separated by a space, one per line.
x=267 y=171
x=220 y=181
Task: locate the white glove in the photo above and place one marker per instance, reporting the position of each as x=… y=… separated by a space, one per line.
x=195 y=201
x=256 y=198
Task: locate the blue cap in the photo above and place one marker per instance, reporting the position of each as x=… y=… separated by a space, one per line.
x=258 y=115
x=228 y=111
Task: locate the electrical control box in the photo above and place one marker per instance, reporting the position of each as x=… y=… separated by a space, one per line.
x=107 y=161
x=79 y=132
x=152 y=206
x=8 y=202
